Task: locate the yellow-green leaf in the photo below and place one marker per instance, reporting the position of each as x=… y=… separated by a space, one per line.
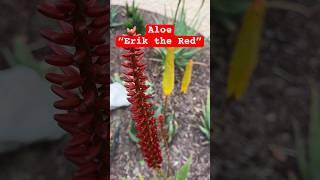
x=186 y=77
x=141 y=177
x=168 y=74
x=245 y=54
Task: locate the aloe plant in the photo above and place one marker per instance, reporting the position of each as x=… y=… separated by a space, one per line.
x=182 y=55
x=134 y=18
x=183 y=172
x=309 y=157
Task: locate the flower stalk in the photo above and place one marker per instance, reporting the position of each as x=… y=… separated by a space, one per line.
x=141 y=107
x=83 y=84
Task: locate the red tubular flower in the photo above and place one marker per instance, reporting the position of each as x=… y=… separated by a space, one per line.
x=83 y=84
x=141 y=108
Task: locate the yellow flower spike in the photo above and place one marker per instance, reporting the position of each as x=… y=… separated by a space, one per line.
x=186 y=77
x=168 y=74
x=246 y=51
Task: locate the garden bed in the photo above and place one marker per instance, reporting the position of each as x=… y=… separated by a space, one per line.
x=22 y=19
x=254 y=137
x=189 y=140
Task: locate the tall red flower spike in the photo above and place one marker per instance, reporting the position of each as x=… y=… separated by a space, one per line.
x=83 y=84
x=141 y=108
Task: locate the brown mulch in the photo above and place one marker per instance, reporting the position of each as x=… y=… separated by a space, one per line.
x=189 y=141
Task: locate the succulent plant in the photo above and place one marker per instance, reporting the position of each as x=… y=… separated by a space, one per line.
x=134 y=18
x=141 y=107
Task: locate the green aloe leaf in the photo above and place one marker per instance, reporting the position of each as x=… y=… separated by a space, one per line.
x=132 y=132
x=183 y=172
x=205 y=132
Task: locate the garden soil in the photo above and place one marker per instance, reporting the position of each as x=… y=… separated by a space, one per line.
x=254 y=137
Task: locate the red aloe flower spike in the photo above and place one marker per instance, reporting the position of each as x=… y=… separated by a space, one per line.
x=141 y=108
x=83 y=83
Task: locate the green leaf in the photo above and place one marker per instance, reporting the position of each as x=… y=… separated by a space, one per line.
x=203 y=122
x=133 y=137
x=158 y=110
x=245 y=54
x=134 y=18
x=182 y=55
x=205 y=132
x=132 y=132
x=113 y=25
x=190 y=52
x=182 y=173
x=150 y=89
x=170 y=128
x=113 y=17
x=156 y=19
x=230 y=7
x=141 y=177
x=301 y=151
x=314 y=135
x=116 y=78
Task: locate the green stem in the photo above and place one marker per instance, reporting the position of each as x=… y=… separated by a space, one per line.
x=161 y=174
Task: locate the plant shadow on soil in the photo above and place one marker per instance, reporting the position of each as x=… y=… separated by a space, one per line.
x=253 y=138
